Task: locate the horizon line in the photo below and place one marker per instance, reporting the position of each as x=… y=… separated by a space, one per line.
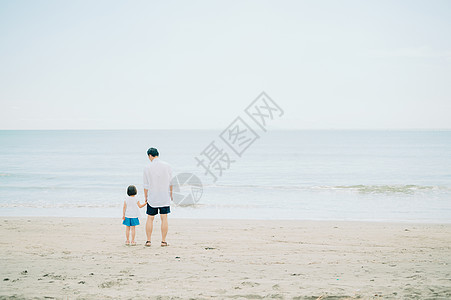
x=221 y=129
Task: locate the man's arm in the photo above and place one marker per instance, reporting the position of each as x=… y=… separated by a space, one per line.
x=146 y=184
x=170 y=181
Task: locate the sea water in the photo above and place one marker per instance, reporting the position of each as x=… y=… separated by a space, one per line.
x=399 y=176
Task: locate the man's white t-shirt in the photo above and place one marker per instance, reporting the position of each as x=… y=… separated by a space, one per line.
x=131 y=209
x=157 y=179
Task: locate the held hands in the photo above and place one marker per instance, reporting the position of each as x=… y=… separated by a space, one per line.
x=142 y=205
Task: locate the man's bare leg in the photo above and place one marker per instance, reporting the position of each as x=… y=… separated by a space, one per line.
x=164 y=227
x=149 y=226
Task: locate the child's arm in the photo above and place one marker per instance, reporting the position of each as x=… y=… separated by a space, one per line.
x=123 y=211
x=141 y=205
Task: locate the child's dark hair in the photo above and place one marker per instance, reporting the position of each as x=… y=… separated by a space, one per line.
x=131 y=190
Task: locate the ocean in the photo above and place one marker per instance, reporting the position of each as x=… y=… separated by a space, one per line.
x=396 y=176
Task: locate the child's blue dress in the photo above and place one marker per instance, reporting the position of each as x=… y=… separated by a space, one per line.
x=131 y=221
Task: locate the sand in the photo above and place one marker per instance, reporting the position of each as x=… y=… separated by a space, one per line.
x=67 y=258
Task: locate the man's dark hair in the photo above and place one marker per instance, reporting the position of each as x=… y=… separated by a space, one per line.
x=131 y=190
x=152 y=152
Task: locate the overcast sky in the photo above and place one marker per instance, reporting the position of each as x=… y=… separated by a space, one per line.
x=198 y=64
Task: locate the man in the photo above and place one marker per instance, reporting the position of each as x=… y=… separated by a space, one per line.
x=158 y=193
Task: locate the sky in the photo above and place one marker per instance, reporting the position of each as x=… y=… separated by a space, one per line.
x=198 y=64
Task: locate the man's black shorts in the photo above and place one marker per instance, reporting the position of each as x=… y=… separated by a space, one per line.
x=152 y=211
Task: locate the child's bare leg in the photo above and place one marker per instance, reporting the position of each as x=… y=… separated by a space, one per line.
x=133 y=233
x=127 y=233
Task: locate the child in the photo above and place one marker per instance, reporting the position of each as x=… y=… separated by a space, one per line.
x=131 y=213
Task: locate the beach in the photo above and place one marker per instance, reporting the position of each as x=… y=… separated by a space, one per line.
x=67 y=258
